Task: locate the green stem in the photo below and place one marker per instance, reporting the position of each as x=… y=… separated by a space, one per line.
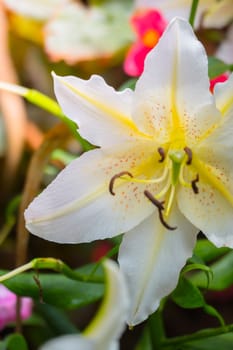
x=51 y=106
x=10 y=218
x=205 y=333
x=156 y=329
x=193 y=12
x=48 y=104
x=5 y=231
x=55 y=265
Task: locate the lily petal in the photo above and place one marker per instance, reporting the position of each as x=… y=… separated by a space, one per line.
x=79 y=202
x=109 y=322
x=71 y=342
x=210 y=211
x=173 y=94
x=101 y=113
x=216 y=148
x=211 y=208
x=151 y=258
x=224 y=96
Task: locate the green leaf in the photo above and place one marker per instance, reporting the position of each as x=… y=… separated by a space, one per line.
x=187 y=295
x=144 y=341
x=129 y=84
x=63 y=156
x=15 y=342
x=217 y=67
x=222 y=342
x=195 y=259
x=222 y=274
x=210 y=310
x=206 y=269
x=56 y=319
x=56 y=290
x=207 y=251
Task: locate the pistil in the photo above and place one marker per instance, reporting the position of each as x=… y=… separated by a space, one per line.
x=175 y=161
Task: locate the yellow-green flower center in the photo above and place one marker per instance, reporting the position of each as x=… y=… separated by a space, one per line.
x=175 y=161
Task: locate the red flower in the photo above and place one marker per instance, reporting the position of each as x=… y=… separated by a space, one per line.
x=149 y=24
x=219 y=79
x=100 y=250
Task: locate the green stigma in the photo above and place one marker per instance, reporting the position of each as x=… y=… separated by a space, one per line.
x=177 y=157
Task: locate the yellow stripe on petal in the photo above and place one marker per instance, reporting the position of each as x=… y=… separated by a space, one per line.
x=70 y=207
x=227 y=106
x=105 y=109
x=208 y=132
x=110 y=319
x=204 y=170
x=177 y=132
x=147 y=168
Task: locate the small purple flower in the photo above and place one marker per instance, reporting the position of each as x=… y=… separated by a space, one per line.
x=8 y=307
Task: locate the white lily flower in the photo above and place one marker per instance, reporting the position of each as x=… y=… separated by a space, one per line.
x=163 y=172
x=107 y=326
x=210 y=13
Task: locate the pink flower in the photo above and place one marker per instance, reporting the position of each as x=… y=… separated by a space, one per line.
x=219 y=79
x=8 y=307
x=149 y=25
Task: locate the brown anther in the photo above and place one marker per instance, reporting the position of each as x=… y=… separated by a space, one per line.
x=160 y=207
x=162 y=154
x=155 y=201
x=194 y=184
x=189 y=153
x=115 y=177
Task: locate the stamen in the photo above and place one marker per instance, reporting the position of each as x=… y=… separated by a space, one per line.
x=189 y=153
x=162 y=154
x=158 y=204
x=160 y=207
x=165 y=188
x=115 y=177
x=194 y=184
x=170 y=200
x=152 y=181
x=181 y=177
